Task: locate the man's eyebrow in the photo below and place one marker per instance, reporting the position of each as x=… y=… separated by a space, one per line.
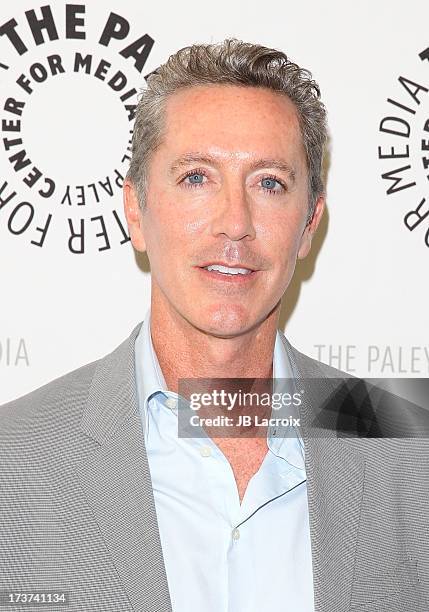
x=190 y=158
x=278 y=164
x=199 y=158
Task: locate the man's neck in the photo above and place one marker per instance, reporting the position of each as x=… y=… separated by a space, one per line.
x=184 y=351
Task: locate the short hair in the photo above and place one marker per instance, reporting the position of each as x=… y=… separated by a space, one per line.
x=231 y=62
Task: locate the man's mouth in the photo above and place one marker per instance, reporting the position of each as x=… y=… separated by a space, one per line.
x=233 y=274
x=227 y=269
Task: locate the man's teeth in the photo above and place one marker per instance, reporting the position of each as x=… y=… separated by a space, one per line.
x=226 y=270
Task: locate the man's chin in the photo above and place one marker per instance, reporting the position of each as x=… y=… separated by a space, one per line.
x=226 y=326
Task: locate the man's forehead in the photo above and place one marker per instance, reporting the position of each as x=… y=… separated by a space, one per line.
x=211 y=102
x=227 y=127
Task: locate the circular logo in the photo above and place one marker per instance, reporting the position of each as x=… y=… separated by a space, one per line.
x=404 y=145
x=71 y=84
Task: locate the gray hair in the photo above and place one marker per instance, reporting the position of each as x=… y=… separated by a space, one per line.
x=231 y=62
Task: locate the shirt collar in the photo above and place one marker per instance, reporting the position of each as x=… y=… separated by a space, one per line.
x=283 y=441
x=153 y=379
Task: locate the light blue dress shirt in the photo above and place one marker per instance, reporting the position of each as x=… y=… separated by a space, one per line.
x=220 y=555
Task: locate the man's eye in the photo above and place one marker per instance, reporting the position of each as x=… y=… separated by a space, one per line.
x=270 y=184
x=196 y=178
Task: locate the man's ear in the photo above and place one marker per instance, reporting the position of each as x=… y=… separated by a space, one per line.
x=133 y=215
x=311 y=227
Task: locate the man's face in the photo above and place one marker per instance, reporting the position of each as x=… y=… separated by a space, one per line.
x=227 y=187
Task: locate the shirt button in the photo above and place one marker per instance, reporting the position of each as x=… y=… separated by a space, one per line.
x=205 y=451
x=171 y=403
x=236 y=534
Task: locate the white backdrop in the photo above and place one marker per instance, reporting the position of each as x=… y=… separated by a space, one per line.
x=360 y=302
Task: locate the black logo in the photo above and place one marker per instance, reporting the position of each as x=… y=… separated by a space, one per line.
x=72 y=81
x=404 y=146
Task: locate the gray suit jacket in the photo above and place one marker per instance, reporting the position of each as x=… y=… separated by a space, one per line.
x=77 y=511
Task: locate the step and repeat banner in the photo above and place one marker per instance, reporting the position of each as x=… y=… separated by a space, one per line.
x=70 y=74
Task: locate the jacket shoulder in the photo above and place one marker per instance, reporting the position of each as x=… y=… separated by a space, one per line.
x=56 y=410
x=66 y=394
x=365 y=407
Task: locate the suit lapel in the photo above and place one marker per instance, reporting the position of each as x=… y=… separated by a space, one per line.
x=335 y=477
x=116 y=480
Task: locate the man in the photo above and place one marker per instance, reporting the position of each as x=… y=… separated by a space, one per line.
x=102 y=499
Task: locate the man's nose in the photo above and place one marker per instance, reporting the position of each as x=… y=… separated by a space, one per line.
x=232 y=214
